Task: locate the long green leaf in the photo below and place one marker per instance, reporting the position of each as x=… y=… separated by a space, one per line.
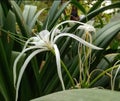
x=97 y=11
x=95 y=6
x=5 y=70
x=1 y=16
x=35 y=18
x=9 y=25
x=28 y=13
x=81 y=95
x=5 y=50
x=3 y=89
x=57 y=15
x=103 y=39
x=51 y=14
x=79 y=5
x=20 y=19
x=107 y=33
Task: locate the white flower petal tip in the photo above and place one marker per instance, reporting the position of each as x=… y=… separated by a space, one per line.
x=57 y=31
x=87 y=28
x=98 y=48
x=44 y=35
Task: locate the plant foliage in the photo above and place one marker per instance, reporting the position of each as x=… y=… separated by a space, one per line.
x=87 y=67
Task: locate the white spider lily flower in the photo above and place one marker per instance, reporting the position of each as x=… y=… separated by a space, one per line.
x=40 y=43
x=46 y=41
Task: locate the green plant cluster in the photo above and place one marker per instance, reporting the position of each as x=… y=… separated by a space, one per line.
x=85 y=67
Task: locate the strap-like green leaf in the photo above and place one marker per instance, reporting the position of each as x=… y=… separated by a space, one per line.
x=20 y=19
x=95 y=6
x=81 y=95
x=79 y=5
x=57 y=15
x=97 y=11
x=34 y=19
x=51 y=14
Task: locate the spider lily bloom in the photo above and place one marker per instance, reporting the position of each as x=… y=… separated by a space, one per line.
x=45 y=41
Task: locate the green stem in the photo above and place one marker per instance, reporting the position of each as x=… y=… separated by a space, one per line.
x=68 y=73
x=100 y=75
x=66 y=70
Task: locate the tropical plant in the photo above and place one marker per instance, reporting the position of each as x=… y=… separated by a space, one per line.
x=86 y=68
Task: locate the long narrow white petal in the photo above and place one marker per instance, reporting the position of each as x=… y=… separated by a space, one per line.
x=27 y=42
x=67 y=21
x=17 y=59
x=117 y=71
x=24 y=67
x=78 y=39
x=57 y=55
x=44 y=35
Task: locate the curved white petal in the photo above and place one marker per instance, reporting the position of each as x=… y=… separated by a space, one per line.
x=78 y=39
x=24 y=67
x=40 y=43
x=67 y=21
x=37 y=41
x=44 y=35
x=117 y=71
x=57 y=55
x=17 y=59
x=28 y=42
